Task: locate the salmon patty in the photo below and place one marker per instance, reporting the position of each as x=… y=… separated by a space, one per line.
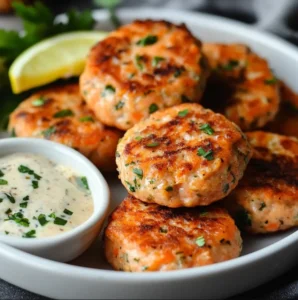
x=148 y=237
x=140 y=68
x=60 y=114
x=266 y=199
x=242 y=85
x=182 y=156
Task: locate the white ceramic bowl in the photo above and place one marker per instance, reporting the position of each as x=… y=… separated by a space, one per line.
x=68 y=245
x=90 y=277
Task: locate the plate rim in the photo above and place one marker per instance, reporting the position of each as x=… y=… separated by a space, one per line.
x=29 y=260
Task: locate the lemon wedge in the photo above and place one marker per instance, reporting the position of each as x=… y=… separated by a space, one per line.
x=61 y=56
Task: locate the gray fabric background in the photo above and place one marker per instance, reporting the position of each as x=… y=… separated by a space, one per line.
x=277 y=16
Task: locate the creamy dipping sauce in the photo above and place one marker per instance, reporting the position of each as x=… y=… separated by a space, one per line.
x=39 y=198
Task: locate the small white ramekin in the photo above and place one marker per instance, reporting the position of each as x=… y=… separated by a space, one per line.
x=68 y=245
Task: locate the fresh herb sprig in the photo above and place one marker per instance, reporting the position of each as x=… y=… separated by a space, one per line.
x=111 y=6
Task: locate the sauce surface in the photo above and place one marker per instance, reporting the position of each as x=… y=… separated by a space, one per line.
x=39 y=198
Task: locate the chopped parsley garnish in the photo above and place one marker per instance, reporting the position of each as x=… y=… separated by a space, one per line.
x=10 y=197
x=119 y=105
x=52 y=215
x=138 y=172
x=156 y=60
x=6 y=232
x=145 y=268
x=86 y=119
x=153 y=144
x=3 y=182
x=169 y=188
x=231 y=65
x=48 y=132
x=153 y=108
x=30 y=234
x=1 y=200
x=208 y=155
x=24 y=169
x=67 y=212
x=38 y=102
x=109 y=89
x=19 y=219
x=35 y=184
x=42 y=220
x=8 y=211
x=138 y=138
x=183 y=113
x=130 y=186
x=23 y=204
x=139 y=62
x=225 y=188
x=63 y=113
x=207 y=129
x=148 y=40
x=270 y=81
x=262 y=206
x=60 y=221
x=85 y=182
x=26 y=198
x=200 y=241
x=1 y=174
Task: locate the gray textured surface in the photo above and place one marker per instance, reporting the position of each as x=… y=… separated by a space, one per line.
x=278 y=16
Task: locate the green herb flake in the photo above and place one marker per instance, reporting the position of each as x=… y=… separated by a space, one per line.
x=207 y=129
x=10 y=197
x=85 y=182
x=183 y=113
x=109 y=89
x=9 y=211
x=148 y=40
x=200 y=241
x=19 y=219
x=42 y=220
x=35 y=184
x=208 y=155
x=63 y=113
x=38 y=102
x=25 y=170
x=13 y=133
x=262 y=206
x=23 y=204
x=130 y=186
x=138 y=172
x=6 y=232
x=26 y=198
x=139 y=62
x=1 y=174
x=48 y=132
x=145 y=268
x=67 y=212
x=119 y=105
x=169 y=188
x=60 y=221
x=225 y=188
x=270 y=81
x=231 y=65
x=156 y=60
x=3 y=182
x=153 y=108
x=52 y=215
x=30 y=234
x=153 y=144
x=86 y=119
x=138 y=138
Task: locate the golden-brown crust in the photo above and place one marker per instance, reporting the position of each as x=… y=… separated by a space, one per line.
x=267 y=195
x=164 y=150
x=61 y=115
x=166 y=72
x=149 y=237
x=250 y=97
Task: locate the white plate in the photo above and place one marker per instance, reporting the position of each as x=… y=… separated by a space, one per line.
x=90 y=277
